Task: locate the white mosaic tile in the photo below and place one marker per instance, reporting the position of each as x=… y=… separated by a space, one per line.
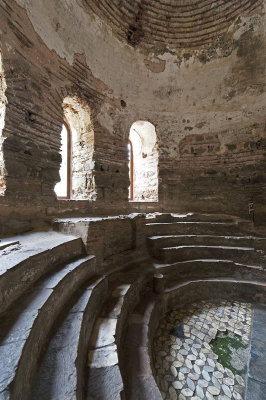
x=186 y=366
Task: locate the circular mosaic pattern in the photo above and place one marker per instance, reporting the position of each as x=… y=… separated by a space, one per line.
x=185 y=347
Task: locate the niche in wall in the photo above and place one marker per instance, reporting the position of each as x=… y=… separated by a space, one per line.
x=3 y=101
x=143 y=165
x=78 y=164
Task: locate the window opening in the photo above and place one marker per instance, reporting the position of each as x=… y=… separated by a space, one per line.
x=131 y=169
x=62 y=188
x=81 y=181
x=143 y=139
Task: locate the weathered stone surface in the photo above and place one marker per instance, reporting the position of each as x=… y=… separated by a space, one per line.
x=102 y=69
x=195 y=144
x=104 y=382
x=104 y=332
x=202 y=374
x=42 y=306
x=37 y=254
x=63 y=350
x=213 y=390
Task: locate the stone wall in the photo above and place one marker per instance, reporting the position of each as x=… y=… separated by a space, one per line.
x=206 y=102
x=216 y=174
x=115 y=240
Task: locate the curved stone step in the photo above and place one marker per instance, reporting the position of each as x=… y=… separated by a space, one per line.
x=208 y=289
x=195 y=228
x=35 y=255
x=191 y=217
x=4 y=243
x=104 y=376
x=185 y=253
x=156 y=242
x=184 y=270
x=61 y=372
x=137 y=366
x=26 y=328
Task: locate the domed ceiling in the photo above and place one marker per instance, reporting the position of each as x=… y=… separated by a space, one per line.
x=176 y=23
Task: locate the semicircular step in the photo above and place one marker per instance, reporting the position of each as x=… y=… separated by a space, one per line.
x=60 y=375
x=26 y=327
x=104 y=380
x=36 y=254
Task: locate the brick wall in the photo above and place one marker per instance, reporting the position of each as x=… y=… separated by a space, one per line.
x=208 y=105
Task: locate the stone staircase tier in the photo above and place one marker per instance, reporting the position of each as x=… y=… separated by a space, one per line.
x=36 y=255
x=25 y=329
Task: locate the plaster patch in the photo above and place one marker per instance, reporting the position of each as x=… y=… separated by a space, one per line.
x=156 y=65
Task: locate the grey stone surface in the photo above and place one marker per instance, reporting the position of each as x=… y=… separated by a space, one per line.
x=104 y=332
x=37 y=255
x=255 y=390
x=199 y=392
x=200 y=333
x=103 y=356
x=188 y=252
x=143 y=388
x=42 y=307
x=256 y=385
x=104 y=383
x=63 y=362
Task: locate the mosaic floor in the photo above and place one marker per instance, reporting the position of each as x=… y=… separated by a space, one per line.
x=202 y=351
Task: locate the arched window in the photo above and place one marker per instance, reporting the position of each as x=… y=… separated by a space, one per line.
x=144 y=166
x=62 y=188
x=77 y=115
x=3 y=102
x=131 y=169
